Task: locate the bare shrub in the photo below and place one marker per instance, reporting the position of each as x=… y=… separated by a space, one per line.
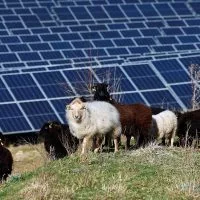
x=194 y=70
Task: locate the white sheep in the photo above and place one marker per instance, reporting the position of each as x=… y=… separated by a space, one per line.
x=90 y=119
x=164 y=126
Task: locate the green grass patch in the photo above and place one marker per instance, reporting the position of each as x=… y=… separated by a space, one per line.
x=151 y=173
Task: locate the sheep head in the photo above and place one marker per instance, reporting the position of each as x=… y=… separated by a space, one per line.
x=100 y=91
x=76 y=110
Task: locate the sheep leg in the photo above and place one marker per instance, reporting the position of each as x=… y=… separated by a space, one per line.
x=84 y=145
x=99 y=144
x=116 y=145
x=128 y=141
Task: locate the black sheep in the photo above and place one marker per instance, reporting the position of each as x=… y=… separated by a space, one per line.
x=58 y=141
x=188 y=127
x=6 y=161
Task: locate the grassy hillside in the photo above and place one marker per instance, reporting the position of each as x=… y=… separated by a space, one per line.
x=150 y=173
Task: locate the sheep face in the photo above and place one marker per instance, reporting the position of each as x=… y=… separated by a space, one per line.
x=76 y=110
x=100 y=92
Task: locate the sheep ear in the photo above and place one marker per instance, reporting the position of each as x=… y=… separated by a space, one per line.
x=68 y=107
x=50 y=125
x=84 y=107
x=94 y=88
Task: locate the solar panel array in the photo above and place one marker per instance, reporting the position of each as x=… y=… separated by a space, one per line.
x=52 y=50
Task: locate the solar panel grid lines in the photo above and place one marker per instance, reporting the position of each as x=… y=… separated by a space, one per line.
x=113 y=33
x=165 y=83
x=18 y=106
x=145 y=101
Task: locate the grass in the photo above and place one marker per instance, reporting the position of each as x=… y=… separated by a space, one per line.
x=150 y=173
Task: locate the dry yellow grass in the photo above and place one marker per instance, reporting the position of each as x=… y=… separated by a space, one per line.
x=27 y=157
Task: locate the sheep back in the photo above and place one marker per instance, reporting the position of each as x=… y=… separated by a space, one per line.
x=164 y=124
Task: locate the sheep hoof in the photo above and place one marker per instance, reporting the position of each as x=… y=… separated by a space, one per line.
x=96 y=150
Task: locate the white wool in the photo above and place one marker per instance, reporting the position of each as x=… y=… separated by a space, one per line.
x=98 y=118
x=164 y=124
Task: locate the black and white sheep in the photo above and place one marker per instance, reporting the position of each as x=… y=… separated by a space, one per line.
x=90 y=119
x=58 y=141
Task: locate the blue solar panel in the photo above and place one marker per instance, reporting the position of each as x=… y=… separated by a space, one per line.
x=124 y=42
x=29 y=56
x=190 y=60
x=191 y=30
x=168 y=40
x=80 y=80
x=176 y=76
x=182 y=47
x=181 y=8
x=80 y=13
x=145 y=41
x=39 y=112
x=151 y=43
x=117 y=26
x=192 y=22
x=50 y=37
x=21 y=32
x=166 y=48
x=12 y=119
x=18 y=47
x=129 y=98
x=95 y=53
x=42 y=14
x=130 y=33
x=188 y=39
x=110 y=34
x=40 y=46
x=174 y=23
x=50 y=55
x=161 y=98
x=103 y=43
x=3 y=48
x=164 y=9
x=63 y=13
x=156 y=24
x=97 y=12
x=131 y=11
x=173 y=31
x=30 y=38
x=70 y=36
x=14 y=124
x=82 y=44
x=10 y=39
x=143 y=76
x=117 y=51
x=31 y=21
x=195 y=6
x=114 y=11
x=8 y=57
x=147 y=10
x=139 y=50
x=184 y=91
x=116 y=79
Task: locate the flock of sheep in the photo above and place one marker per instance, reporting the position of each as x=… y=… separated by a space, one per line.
x=102 y=121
